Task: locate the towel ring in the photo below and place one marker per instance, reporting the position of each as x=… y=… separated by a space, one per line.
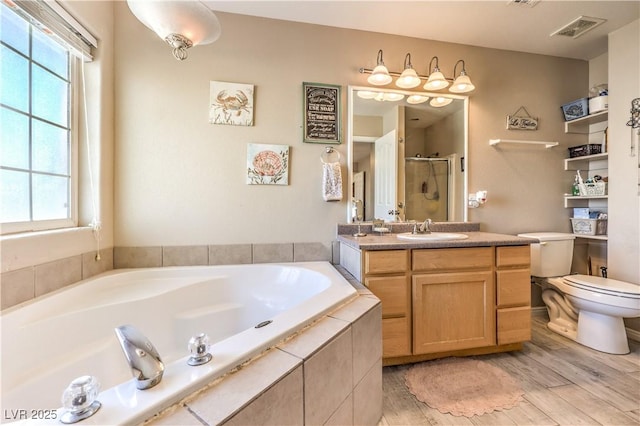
x=330 y=155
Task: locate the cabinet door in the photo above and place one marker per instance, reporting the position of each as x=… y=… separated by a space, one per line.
x=385 y=261
x=453 y=311
x=514 y=287
x=394 y=293
x=514 y=325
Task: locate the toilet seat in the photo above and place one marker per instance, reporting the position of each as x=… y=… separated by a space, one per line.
x=603 y=285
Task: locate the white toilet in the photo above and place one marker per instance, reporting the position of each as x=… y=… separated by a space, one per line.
x=584 y=308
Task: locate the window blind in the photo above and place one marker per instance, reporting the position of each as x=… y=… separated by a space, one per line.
x=54 y=20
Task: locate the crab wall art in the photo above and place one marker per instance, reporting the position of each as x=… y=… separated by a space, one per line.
x=231 y=103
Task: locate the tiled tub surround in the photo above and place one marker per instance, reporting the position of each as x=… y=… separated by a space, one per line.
x=329 y=373
x=22 y=285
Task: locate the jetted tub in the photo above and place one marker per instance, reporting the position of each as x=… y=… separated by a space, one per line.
x=70 y=333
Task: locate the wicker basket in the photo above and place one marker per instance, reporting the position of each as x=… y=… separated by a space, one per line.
x=592 y=189
x=589 y=226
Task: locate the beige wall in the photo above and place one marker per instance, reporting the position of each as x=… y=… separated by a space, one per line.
x=180 y=180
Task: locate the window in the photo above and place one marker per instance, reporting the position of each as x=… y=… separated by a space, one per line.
x=37 y=137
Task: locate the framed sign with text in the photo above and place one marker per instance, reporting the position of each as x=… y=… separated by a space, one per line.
x=321 y=113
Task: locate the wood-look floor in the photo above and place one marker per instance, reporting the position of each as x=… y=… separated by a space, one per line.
x=565 y=383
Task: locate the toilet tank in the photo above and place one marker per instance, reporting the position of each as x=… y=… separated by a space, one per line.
x=551 y=256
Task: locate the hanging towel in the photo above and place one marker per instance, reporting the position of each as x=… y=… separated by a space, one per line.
x=331 y=182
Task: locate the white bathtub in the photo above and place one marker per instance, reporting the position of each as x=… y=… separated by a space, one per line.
x=70 y=333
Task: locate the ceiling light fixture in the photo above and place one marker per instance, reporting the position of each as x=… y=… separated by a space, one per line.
x=182 y=24
x=380 y=74
x=409 y=79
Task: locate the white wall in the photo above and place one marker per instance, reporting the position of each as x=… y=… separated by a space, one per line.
x=624 y=200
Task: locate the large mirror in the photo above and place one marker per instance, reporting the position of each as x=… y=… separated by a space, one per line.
x=408 y=156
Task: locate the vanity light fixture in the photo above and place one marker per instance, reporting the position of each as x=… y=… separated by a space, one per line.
x=417 y=99
x=380 y=74
x=182 y=24
x=440 y=101
x=380 y=96
x=436 y=80
x=462 y=83
x=409 y=78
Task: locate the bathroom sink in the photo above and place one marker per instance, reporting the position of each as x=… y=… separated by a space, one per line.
x=434 y=236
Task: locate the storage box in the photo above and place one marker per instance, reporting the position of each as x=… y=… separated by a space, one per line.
x=581 y=213
x=582 y=150
x=589 y=226
x=576 y=109
x=593 y=189
x=598 y=103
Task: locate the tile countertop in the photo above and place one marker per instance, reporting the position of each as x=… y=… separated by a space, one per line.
x=391 y=242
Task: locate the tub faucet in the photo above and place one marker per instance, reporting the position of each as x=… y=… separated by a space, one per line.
x=143 y=358
x=425 y=228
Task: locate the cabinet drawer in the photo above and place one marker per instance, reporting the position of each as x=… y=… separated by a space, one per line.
x=513 y=288
x=514 y=325
x=513 y=256
x=393 y=292
x=457 y=258
x=386 y=261
x=396 y=334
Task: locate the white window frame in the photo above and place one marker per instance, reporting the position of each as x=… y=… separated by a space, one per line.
x=39 y=14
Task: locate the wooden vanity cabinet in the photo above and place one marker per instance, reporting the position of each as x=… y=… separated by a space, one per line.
x=453 y=299
x=385 y=273
x=440 y=302
x=513 y=294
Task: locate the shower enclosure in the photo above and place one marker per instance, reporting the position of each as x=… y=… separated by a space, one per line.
x=427 y=188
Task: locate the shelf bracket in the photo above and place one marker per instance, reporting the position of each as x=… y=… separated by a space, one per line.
x=527 y=142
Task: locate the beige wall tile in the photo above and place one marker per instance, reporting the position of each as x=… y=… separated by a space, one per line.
x=91 y=266
x=185 y=255
x=55 y=275
x=137 y=257
x=343 y=415
x=282 y=404
x=218 y=403
x=272 y=253
x=309 y=252
x=328 y=379
x=230 y=254
x=312 y=338
x=367 y=397
x=17 y=287
x=367 y=342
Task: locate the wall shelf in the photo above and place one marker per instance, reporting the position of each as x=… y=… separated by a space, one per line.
x=583 y=163
x=546 y=144
x=592 y=237
x=581 y=125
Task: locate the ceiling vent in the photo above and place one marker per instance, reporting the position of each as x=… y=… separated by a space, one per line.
x=529 y=3
x=578 y=26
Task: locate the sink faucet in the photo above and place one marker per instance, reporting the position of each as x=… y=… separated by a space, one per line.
x=143 y=358
x=425 y=227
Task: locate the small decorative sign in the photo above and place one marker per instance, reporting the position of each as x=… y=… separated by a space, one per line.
x=321 y=113
x=267 y=164
x=230 y=103
x=522 y=122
